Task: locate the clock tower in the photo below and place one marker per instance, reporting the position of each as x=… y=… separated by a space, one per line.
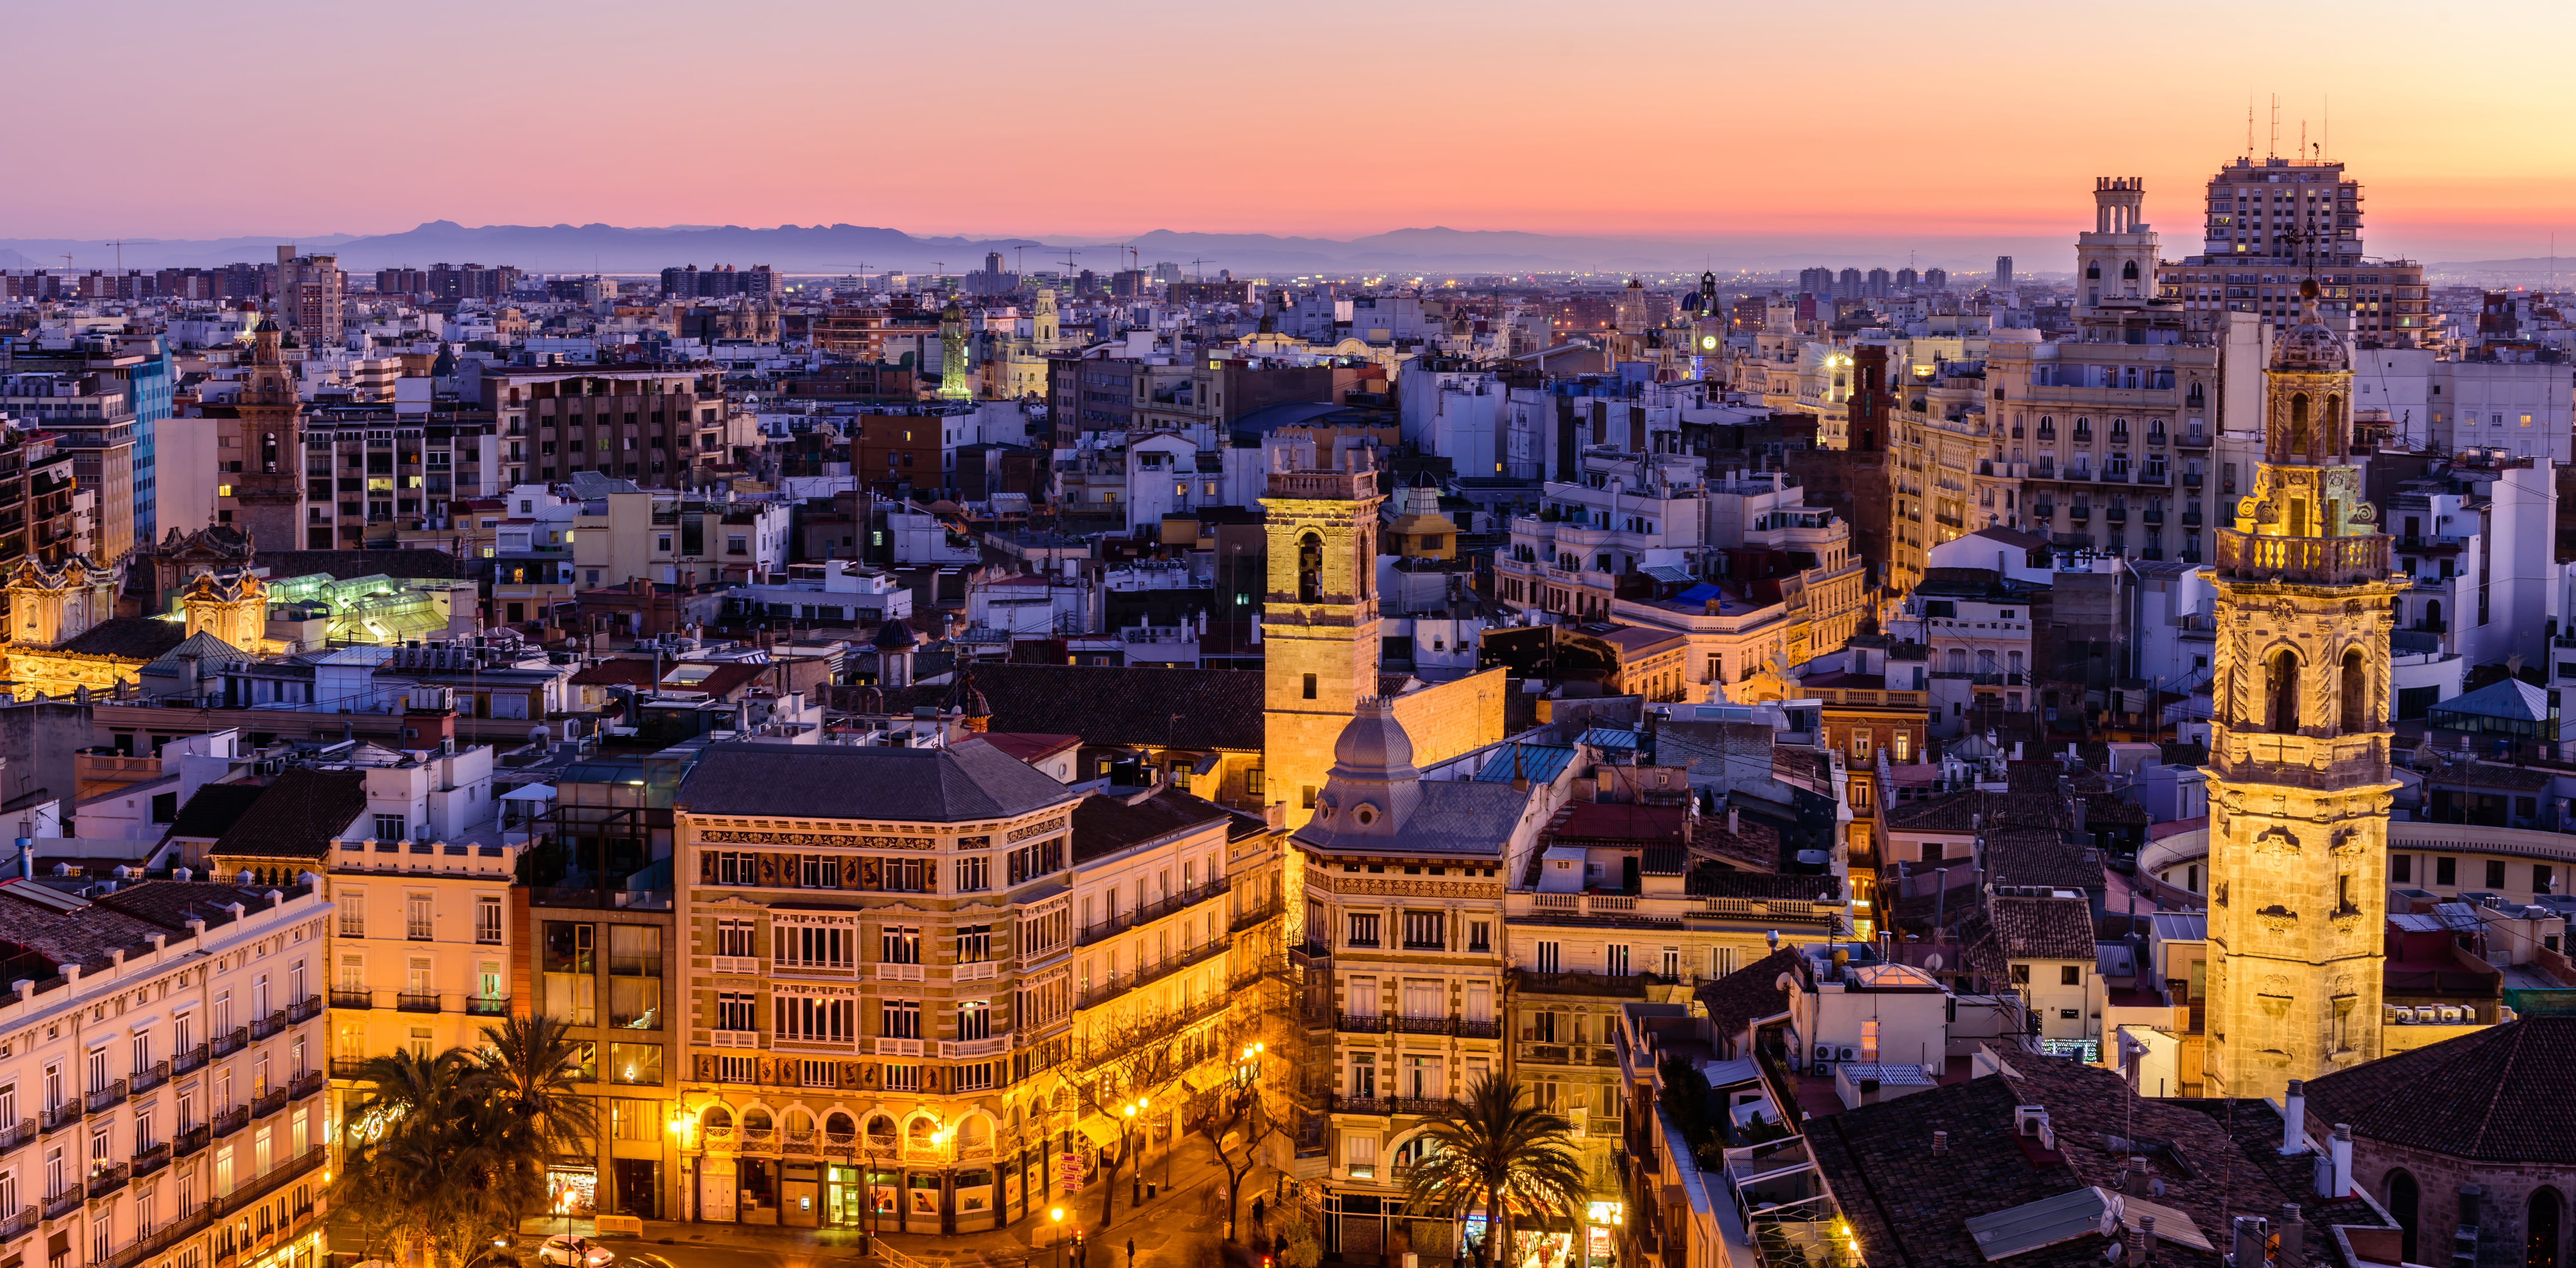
x=1319 y=623
x=2298 y=753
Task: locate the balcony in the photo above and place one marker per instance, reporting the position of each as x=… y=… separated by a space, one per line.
x=110 y=1180
x=488 y=1005
x=231 y=1042
x=1421 y=1025
x=417 y=1001
x=20 y=1223
x=1361 y=1024
x=734 y=1039
x=150 y=1077
x=190 y=1141
x=2115 y=515
x=106 y=1098
x=2191 y=479
x=65 y=1202
x=60 y=1116
x=2194 y=440
x=151 y=1160
x=304 y=1010
x=2312 y=560
x=972 y=1048
x=352 y=997
x=264 y=1105
x=263 y=1027
x=1479 y=1029
x=18 y=1134
x=306 y=1084
x=188 y=1059
x=2079 y=513
x=230 y=1121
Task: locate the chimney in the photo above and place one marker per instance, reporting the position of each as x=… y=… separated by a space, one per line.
x=2145 y=1247
x=1940 y=1142
x=2294 y=1118
x=2293 y=1236
x=2342 y=1150
x=1734 y=822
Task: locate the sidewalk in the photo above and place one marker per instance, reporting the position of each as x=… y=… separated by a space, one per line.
x=1178 y=1228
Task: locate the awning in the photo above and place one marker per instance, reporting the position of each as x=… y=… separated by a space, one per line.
x=1097 y=1128
x=1205 y=1075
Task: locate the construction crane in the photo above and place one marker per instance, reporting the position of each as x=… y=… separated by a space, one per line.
x=1194 y=266
x=1069 y=253
x=120 y=245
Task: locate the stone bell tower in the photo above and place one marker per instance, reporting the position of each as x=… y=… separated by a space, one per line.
x=1319 y=626
x=2298 y=752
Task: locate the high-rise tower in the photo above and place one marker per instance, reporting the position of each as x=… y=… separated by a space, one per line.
x=1319 y=627
x=2298 y=751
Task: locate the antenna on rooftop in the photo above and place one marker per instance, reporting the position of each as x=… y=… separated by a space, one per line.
x=2272 y=144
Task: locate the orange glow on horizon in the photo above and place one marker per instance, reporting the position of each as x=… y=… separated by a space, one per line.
x=1955 y=131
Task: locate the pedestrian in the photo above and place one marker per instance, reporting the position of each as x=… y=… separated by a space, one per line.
x=1256 y=1208
x=1131 y=1252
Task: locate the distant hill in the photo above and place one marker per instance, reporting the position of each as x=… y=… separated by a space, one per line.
x=842 y=248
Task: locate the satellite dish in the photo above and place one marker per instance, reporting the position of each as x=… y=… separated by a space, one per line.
x=1932 y=963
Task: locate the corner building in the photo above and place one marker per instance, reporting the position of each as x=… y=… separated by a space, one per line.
x=905 y=965
x=2298 y=760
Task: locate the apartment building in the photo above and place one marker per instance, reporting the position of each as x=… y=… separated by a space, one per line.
x=895 y=1026
x=2276 y=222
x=421 y=952
x=1627 y=512
x=648 y=426
x=2116 y=423
x=310 y=292
x=387 y=467
x=162 y=1093
x=92 y=418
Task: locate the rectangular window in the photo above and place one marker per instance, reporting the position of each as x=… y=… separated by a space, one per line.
x=2070 y=975
x=353 y=913
x=2401 y=868
x=974 y=873
x=392 y=828
x=1480 y=935
x=899 y=944
x=2495 y=873
x=975 y=1019
x=974 y=944
x=636 y=1063
x=1425 y=931
x=1310 y=686
x=899 y=1019
x=487 y=920
x=1551 y=957
x=735 y=1011
x=571 y=967
x=1363 y=929
x=418 y=923
x=635 y=976
x=2543 y=877
x=2446 y=871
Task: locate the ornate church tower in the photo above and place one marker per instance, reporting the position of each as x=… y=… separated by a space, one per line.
x=1318 y=622
x=2298 y=751
x=267 y=492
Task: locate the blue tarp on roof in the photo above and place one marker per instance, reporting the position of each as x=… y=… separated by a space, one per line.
x=1540 y=763
x=1610 y=737
x=1699 y=594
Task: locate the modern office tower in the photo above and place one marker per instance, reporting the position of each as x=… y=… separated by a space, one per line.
x=2003 y=271
x=2298 y=755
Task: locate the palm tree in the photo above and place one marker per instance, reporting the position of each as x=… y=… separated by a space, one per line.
x=525 y=1074
x=1498 y=1153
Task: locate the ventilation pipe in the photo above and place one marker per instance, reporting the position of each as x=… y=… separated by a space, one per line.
x=2342 y=1150
x=2294 y=1118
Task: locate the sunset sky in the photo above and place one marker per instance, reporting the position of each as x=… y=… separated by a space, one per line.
x=1962 y=127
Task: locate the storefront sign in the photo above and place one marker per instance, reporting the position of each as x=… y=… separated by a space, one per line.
x=1068 y=1172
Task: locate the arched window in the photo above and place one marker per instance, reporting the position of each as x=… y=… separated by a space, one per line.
x=2193 y=398
x=840 y=1128
x=2540 y=1229
x=2299 y=424
x=880 y=1133
x=2403 y=1198
x=2334 y=420
x=2093 y=270
x=2129 y=271
x=1310 y=568
x=2282 y=687
x=2433 y=615
x=2356 y=708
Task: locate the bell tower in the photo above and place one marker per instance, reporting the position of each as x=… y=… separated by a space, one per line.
x=1319 y=626
x=267 y=490
x=2298 y=753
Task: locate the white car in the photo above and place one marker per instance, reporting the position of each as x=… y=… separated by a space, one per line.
x=568 y=1251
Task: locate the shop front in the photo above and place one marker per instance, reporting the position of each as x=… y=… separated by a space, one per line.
x=572 y=1192
x=1601 y=1224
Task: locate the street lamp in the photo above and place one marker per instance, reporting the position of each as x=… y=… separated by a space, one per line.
x=1055 y=1219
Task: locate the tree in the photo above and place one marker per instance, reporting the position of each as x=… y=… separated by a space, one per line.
x=1126 y=1059
x=526 y=1073
x=1232 y=1111
x=446 y=1154
x=1499 y=1153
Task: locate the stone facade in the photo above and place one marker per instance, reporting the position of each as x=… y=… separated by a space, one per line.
x=1319 y=625
x=2299 y=785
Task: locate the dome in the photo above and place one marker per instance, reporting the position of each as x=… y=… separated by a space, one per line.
x=945 y=507
x=1373 y=746
x=895 y=636
x=2309 y=346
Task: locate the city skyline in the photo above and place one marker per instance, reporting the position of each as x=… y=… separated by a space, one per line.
x=925 y=119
